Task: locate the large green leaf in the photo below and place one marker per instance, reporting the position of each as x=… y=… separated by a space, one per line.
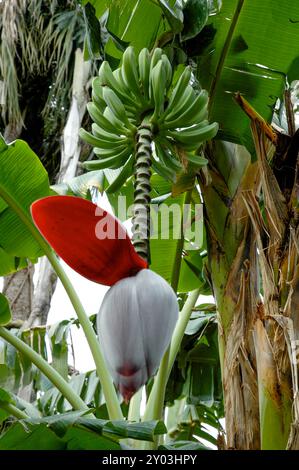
x=174 y=15
x=5 y=313
x=82 y=439
x=145 y=431
x=128 y=18
x=5 y=398
x=9 y=263
x=165 y=239
x=70 y=431
x=23 y=179
x=93 y=32
x=253 y=51
x=81 y=185
x=196 y=373
x=20 y=437
x=196 y=13
x=59 y=336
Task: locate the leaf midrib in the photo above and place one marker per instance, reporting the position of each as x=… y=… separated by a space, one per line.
x=224 y=53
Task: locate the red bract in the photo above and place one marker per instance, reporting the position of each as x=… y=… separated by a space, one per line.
x=72 y=226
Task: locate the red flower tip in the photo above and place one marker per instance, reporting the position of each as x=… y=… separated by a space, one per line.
x=87 y=238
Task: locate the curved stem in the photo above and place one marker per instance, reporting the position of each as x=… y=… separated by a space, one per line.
x=153 y=408
x=180 y=328
x=141 y=211
x=110 y=395
x=224 y=53
x=175 y=275
x=13 y=411
x=45 y=368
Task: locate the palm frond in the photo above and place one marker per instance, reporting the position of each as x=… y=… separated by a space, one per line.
x=9 y=15
x=38 y=38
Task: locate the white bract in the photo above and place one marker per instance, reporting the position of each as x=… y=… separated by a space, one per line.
x=135 y=324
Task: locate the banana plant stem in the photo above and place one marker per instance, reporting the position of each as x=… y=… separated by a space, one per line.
x=45 y=368
x=109 y=392
x=180 y=328
x=13 y=411
x=175 y=276
x=111 y=398
x=153 y=408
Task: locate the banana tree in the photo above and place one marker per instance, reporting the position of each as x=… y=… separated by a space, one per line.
x=156 y=309
x=151 y=121
x=229 y=58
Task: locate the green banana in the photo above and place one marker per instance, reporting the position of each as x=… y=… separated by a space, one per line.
x=156 y=57
x=184 y=101
x=163 y=171
x=166 y=158
x=174 y=157
x=195 y=135
x=107 y=78
x=119 y=78
x=110 y=152
x=157 y=88
x=99 y=142
x=125 y=173
x=108 y=136
x=124 y=93
x=100 y=119
x=193 y=114
x=139 y=88
x=97 y=94
x=197 y=160
x=144 y=62
x=117 y=107
x=129 y=71
x=101 y=105
x=111 y=162
x=180 y=87
x=116 y=123
x=168 y=70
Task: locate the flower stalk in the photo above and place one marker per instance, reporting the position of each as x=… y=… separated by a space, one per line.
x=142 y=186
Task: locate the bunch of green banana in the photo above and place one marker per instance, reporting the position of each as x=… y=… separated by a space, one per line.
x=143 y=87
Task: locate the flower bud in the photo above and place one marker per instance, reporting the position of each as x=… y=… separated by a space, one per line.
x=135 y=324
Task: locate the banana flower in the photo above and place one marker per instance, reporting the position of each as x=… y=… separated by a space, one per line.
x=139 y=311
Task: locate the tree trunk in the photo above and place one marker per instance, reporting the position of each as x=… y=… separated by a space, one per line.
x=254 y=271
x=18 y=288
x=233 y=266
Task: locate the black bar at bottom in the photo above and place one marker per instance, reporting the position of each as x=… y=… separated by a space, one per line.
x=137 y=459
